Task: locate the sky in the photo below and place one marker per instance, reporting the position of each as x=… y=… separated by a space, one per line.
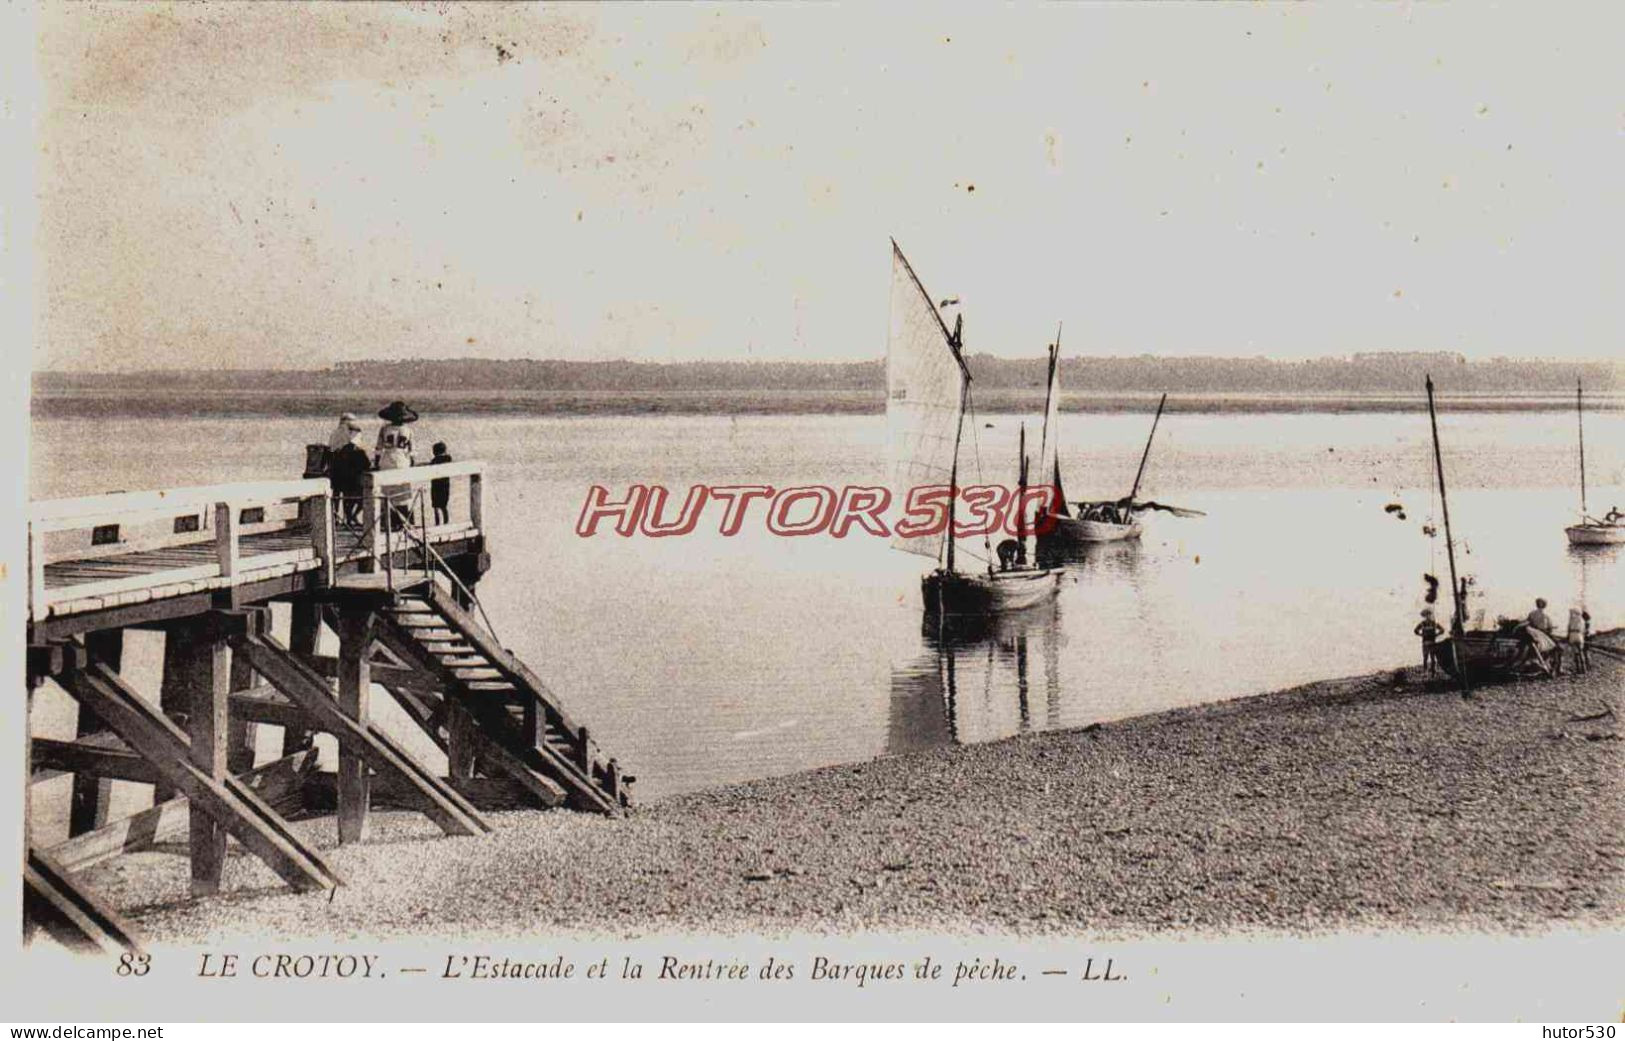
x=280 y=186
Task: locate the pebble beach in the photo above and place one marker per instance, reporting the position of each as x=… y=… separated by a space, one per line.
x=1379 y=802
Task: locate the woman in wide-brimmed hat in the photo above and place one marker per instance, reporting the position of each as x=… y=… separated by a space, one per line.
x=397 y=413
x=394 y=452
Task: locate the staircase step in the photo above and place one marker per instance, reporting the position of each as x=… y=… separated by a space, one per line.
x=425 y=622
x=477 y=674
x=489 y=685
x=437 y=638
x=475 y=660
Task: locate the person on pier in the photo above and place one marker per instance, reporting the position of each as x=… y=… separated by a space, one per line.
x=345 y=465
x=394 y=452
x=440 y=487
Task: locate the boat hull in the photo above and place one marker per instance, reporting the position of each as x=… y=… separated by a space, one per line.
x=1073 y=530
x=951 y=593
x=1596 y=534
x=1485 y=655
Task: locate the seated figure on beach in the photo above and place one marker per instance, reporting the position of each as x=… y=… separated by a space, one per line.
x=1536 y=633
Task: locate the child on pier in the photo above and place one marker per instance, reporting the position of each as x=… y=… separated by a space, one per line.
x=440 y=487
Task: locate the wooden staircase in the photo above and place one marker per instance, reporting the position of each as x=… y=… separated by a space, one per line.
x=497 y=716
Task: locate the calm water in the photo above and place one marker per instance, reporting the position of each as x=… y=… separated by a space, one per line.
x=704 y=660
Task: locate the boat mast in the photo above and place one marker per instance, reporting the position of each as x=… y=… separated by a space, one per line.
x=1147 y=453
x=1021 y=497
x=1457 y=599
x=955 y=339
x=1579 y=416
x=1058 y=506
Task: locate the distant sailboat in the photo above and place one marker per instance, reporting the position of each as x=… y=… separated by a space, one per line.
x=927 y=396
x=1610 y=531
x=1094 y=521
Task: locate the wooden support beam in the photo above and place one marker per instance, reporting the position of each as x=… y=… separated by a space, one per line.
x=209 y=723
x=479 y=752
x=174 y=691
x=241 y=732
x=228 y=801
x=265 y=704
x=541 y=769
x=93 y=793
x=280 y=783
x=69 y=913
x=227 y=550
x=460 y=742
x=485 y=793
x=304 y=628
x=43 y=661
x=385 y=675
x=99 y=756
x=371 y=745
x=355 y=690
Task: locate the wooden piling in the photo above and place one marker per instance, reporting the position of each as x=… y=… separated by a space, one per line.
x=460 y=742
x=92 y=794
x=208 y=724
x=240 y=732
x=304 y=627
x=174 y=689
x=355 y=685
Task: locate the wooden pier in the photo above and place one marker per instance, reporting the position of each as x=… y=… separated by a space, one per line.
x=203 y=566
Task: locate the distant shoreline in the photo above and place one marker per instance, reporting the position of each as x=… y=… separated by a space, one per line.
x=250 y=402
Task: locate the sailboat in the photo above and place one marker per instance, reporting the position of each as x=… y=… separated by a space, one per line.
x=1610 y=531
x=1468 y=654
x=1095 y=521
x=927 y=396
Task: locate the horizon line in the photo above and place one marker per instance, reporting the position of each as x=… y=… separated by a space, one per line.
x=879 y=359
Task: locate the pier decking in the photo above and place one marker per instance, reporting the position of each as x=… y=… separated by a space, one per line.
x=202 y=566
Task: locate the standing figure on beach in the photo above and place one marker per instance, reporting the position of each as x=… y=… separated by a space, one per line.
x=1579 y=628
x=345 y=465
x=1429 y=630
x=394 y=452
x=440 y=487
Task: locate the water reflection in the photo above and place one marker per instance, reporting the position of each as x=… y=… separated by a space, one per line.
x=978 y=679
x=1116 y=558
x=1586 y=561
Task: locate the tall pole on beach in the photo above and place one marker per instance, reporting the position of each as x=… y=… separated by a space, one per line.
x=1458 y=599
x=1147 y=453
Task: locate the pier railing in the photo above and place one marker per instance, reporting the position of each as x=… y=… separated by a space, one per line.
x=128 y=547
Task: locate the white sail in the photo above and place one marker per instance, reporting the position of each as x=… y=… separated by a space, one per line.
x=925 y=391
